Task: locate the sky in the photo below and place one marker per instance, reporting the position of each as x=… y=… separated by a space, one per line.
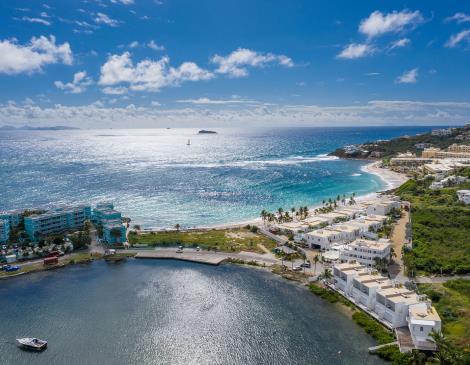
x=212 y=63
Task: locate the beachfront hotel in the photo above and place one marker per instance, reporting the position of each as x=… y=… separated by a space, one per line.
x=56 y=221
x=4 y=230
x=12 y=216
x=104 y=214
x=409 y=314
x=453 y=151
x=383 y=207
x=366 y=251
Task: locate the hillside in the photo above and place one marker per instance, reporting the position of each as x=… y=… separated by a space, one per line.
x=387 y=149
x=440 y=227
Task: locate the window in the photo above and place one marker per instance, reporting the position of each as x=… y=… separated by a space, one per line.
x=421 y=328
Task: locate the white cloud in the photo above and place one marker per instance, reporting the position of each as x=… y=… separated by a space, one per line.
x=356 y=50
x=408 y=77
x=78 y=85
x=236 y=63
x=207 y=101
x=148 y=75
x=459 y=18
x=125 y=2
x=373 y=74
x=155 y=103
x=102 y=18
x=36 y=20
x=400 y=43
x=376 y=112
x=134 y=44
x=16 y=58
x=455 y=39
x=120 y=90
x=378 y=23
x=44 y=14
x=155 y=46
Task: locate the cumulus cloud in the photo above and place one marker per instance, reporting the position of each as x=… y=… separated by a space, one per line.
x=102 y=18
x=456 y=39
x=155 y=46
x=237 y=62
x=458 y=18
x=78 y=85
x=408 y=77
x=356 y=50
x=148 y=75
x=400 y=43
x=378 y=23
x=376 y=112
x=16 y=58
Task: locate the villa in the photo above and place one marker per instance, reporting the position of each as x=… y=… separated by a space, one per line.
x=323 y=238
x=348 y=232
x=366 y=251
x=333 y=217
x=56 y=221
x=383 y=207
x=409 y=314
x=422 y=320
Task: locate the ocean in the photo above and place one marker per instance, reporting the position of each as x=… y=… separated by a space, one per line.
x=157 y=180
x=173 y=312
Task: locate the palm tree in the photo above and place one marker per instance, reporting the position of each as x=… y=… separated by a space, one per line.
x=326 y=274
x=279 y=211
x=264 y=214
x=306 y=211
x=330 y=201
x=323 y=202
x=338 y=198
x=315 y=260
x=177 y=226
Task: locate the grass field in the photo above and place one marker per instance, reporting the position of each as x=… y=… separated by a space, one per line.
x=452 y=302
x=441 y=226
x=226 y=240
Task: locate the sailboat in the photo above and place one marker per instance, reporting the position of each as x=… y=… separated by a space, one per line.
x=188 y=143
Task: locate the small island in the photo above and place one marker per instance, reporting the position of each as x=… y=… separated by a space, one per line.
x=204 y=131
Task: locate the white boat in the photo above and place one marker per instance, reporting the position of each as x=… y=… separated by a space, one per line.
x=32 y=343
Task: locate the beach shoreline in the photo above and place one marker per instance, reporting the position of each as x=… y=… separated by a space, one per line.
x=390 y=179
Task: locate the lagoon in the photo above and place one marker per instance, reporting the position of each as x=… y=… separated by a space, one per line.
x=170 y=312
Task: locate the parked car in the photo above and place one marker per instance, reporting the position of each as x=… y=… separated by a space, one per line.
x=198 y=248
x=10 y=268
x=179 y=250
x=297 y=268
x=306 y=264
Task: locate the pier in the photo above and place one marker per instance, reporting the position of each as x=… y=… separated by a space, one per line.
x=202 y=257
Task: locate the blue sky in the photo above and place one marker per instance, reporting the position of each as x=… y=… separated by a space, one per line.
x=153 y=63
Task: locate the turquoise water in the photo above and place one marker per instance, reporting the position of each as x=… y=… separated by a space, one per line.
x=157 y=180
x=169 y=312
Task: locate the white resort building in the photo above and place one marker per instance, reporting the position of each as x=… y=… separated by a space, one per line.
x=365 y=251
x=409 y=314
x=464 y=196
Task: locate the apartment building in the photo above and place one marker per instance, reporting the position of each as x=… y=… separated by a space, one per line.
x=366 y=251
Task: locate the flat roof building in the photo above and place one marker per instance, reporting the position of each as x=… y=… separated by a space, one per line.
x=56 y=221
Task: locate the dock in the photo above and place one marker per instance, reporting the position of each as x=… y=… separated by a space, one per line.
x=374 y=349
x=202 y=257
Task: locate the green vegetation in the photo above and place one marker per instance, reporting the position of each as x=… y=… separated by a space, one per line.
x=373 y=328
x=388 y=149
x=440 y=228
x=452 y=302
x=392 y=354
x=226 y=240
x=329 y=295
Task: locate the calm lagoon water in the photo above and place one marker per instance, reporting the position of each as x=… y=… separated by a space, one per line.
x=170 y=312
x=153 y=177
